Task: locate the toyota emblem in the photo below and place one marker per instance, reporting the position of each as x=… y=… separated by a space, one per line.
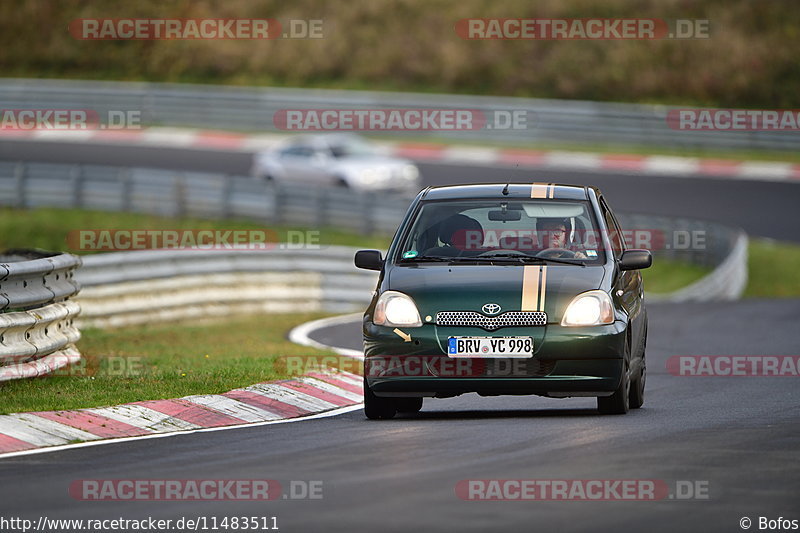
x=491 y=309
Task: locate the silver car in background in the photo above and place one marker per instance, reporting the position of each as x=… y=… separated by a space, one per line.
x=342 y=160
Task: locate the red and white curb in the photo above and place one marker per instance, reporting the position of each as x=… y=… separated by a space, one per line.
x=656 y=165
x=309 y=396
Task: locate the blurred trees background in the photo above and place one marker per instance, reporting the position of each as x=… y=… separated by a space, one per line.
x=750 y=60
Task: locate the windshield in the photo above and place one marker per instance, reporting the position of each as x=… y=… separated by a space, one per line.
x=516 y=231
x=351 y=147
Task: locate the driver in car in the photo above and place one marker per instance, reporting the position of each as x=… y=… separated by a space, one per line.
x=553 y=233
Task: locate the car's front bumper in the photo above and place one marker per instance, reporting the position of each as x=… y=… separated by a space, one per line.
x=567 y=361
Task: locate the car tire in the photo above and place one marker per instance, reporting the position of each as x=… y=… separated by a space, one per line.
x=269 y=182
x=409 y=405
x=636 y=399
x=377 y=408
x=617 y=403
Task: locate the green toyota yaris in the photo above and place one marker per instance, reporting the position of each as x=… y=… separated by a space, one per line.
x=505 y=289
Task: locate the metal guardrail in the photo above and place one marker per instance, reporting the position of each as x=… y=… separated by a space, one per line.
x=220 y=196
x=31 y=279
x=726 y=282
x=252 y=109
x=201 y=195
x=152 y=286
x=146 y=286
x=127 y=288
x=37 y=333
x=719 y=247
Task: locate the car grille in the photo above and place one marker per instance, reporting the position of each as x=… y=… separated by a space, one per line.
x=491 y=323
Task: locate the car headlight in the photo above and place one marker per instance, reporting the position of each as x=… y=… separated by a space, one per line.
x=410 y=172
x=591 y=308
x=396 y=309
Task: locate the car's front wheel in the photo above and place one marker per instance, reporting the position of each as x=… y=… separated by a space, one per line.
x=636 y=399
x=409 y=405
x=377 y=408
x=619 y=402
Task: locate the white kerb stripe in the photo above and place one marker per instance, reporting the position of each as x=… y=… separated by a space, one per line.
x=573 y=159
x=664 y=164
x=357 y=377
x=355 y=381
x=754 y=169
x=232 y=407
x=471 y=153
x=333 y=389
x=292 y=397
x=168 y=137
x=143 y=417
x=40 y=431
x=64 y=135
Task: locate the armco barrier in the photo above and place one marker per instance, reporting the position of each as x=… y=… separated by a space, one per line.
x=202 y=195
x=219 y=196
x=127 y=288
x=151 y=286
x=699 y=242
x=253 y=109
x=37 y=333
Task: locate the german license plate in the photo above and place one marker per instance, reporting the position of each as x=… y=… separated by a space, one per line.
x=490 y=347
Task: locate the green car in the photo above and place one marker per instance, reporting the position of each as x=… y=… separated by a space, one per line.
x=505 y=289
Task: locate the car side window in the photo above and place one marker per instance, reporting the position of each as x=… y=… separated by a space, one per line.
x=614 y=233
x=297 y=151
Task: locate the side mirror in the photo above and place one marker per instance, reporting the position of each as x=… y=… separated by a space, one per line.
x=635 y=259
x=369 y=259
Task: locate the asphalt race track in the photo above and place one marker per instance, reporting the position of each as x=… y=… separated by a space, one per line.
x=766 y=209
x=737 y=436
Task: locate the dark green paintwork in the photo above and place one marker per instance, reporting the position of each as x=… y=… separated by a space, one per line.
x=584 y=361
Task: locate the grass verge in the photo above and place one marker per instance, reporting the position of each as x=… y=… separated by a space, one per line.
x=666 y=276
x=773 y=269
x=165 y=361
x=49 y=228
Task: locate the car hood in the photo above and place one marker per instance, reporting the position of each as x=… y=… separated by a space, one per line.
x=441 y=287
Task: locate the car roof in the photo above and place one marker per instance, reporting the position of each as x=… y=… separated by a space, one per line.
x=323 y=138
x=538 y=190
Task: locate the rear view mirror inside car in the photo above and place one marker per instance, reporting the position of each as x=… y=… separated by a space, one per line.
x=504 y=216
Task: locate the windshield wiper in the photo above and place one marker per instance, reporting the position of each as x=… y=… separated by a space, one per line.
x=426 y=259
x=529 y=258
x=561 y=261
x=442 y=259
